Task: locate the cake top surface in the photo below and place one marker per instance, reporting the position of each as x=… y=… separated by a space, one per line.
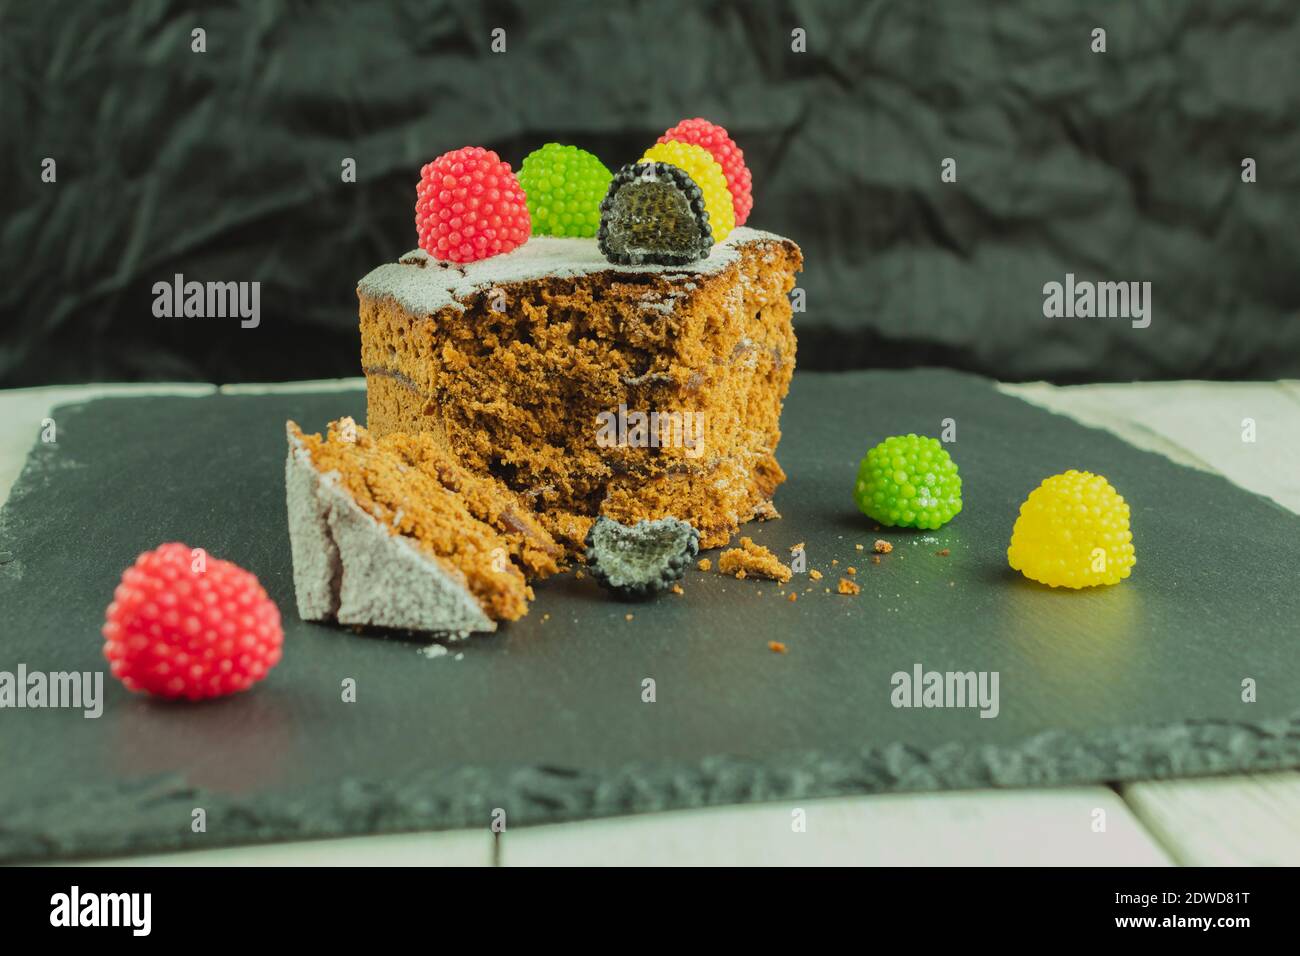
x=426 y=285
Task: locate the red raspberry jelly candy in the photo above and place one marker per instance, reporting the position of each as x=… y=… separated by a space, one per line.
x=182 y=624
x=469 y=206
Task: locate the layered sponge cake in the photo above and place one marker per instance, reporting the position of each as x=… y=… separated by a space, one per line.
x=587 y=388
x=547 y=358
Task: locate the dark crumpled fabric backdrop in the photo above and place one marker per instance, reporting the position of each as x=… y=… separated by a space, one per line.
x=225 y=166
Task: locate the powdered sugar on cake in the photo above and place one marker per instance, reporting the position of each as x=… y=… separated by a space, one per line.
x=424 y=285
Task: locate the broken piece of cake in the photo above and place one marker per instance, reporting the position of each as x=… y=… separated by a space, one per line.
x=393 y=532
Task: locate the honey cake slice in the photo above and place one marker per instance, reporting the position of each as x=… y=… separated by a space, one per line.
x=588 y=388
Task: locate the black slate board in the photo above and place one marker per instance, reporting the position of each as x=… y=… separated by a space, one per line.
x=545 y=719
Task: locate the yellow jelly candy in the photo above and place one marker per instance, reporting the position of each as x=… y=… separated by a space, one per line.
x=699 y=164
x=1073 y=532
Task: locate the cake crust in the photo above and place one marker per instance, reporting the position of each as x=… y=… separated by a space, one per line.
x=394 y=533
x=348 y=568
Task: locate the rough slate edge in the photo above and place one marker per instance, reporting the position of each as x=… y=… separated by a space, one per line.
x=438 y=799
x=441 y=799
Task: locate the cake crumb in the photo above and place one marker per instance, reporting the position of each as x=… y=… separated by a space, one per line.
x=578 y=575
x=882 y=546
x=677 y=589
x=835 y=562
x=627 y=617
x=857 y=547
x=796 y=548
x=851 y=570
x=776 y=647
x=848 y=587
x=793 y=597
x=704 y=564
x=545 y=618
x=751 y=558
x=875 y=559
x=943 y=553
x=815 y=574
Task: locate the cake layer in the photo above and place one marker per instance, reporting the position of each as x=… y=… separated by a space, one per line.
x=590 y=388
x=393 y=532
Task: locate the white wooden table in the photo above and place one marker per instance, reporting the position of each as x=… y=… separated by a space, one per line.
x=1227 y=820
